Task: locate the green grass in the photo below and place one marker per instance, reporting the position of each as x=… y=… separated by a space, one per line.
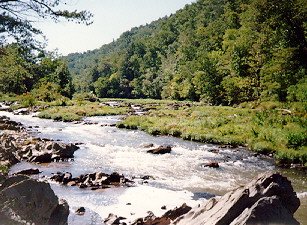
x=265 y=127
x=76 y=111
x=4 y=169
x=265 y=130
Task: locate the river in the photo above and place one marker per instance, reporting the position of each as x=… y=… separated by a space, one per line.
x=179 y=177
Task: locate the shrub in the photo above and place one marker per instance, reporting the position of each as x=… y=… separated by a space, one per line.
x=296 y=140
x=47 y=92
x=28 y=100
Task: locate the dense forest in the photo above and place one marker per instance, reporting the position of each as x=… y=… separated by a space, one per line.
x=22 y=71
x=221 y=52
x=25 y=67
x=217 y=51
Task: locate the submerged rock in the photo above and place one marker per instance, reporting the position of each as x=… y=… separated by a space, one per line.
x=161 y=150
x=211 y=164
x=268 y=199
x=27 y=201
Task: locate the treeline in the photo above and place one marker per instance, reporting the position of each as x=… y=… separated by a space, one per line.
x=24 y=70
x=217 y=51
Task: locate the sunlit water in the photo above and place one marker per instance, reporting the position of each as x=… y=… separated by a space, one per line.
x=178 y=177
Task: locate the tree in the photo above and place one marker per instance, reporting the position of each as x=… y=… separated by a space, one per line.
x=15 y=71
x=17 y=17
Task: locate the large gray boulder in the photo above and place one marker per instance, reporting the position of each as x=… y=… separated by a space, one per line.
x=27 y=201
x=269 y=199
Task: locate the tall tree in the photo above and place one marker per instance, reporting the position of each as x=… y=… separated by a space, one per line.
x=17 y=17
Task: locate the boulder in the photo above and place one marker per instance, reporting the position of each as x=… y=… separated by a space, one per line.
x=267 y=200
x=165 y=219
x=67 y=178
x=41 y=157
x=17 y=145
x=47 y=151
x=28 y=172
x=114 y=220
x=23 y=200
x=22 y=111
x=7 y=151
x=161 y=150
x=94 y=181
x=7 y=124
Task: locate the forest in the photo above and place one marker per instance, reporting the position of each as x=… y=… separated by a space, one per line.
x=247 y=54
x=221 y=52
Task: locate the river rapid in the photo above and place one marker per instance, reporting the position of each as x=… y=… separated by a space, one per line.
x=178 y=177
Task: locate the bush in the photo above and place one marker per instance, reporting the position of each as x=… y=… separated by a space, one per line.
x=47 y=92
x=85 y=96
x=296 y=140
x=28 y=100
x=4 y=169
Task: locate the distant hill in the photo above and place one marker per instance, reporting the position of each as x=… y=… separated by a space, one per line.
x=217 y=51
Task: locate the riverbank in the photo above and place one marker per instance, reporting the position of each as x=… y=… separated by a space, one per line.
x=110 y=149
x=273 y=129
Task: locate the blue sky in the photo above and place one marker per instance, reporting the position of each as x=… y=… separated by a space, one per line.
x=111 y=18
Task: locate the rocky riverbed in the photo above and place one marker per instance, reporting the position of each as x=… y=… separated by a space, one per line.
x=26 y=145
x=18 y=145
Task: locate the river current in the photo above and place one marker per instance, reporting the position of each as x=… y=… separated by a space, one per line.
x=178 y=178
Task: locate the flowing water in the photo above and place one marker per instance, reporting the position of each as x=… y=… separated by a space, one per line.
x=179 y=177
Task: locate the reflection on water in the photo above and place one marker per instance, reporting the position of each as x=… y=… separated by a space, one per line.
x=176 y=176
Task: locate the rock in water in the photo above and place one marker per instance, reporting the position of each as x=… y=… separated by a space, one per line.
x=24 y=200
x=80 y=211
x=269 y=199
x=28 y=172
x=211 y=165
x=114 y=220
x=161 y=150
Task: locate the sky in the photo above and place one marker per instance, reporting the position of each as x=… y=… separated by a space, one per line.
x=111 y=19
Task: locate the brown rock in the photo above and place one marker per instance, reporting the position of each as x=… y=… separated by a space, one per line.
x=211 y=165
x=161 y=150
x=71 y=183
x=28 y=172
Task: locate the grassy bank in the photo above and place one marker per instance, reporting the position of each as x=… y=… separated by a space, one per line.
x=265 y=129
x=76 y=112
x=268 y=128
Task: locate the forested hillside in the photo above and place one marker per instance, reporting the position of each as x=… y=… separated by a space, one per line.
x=217 y=51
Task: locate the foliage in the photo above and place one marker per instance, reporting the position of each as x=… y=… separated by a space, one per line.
x=4 y=169
x=21 y=71
x=77 y=111
x=16 y=18
x=266 y=130
x=28 y=100
x=219 y=52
